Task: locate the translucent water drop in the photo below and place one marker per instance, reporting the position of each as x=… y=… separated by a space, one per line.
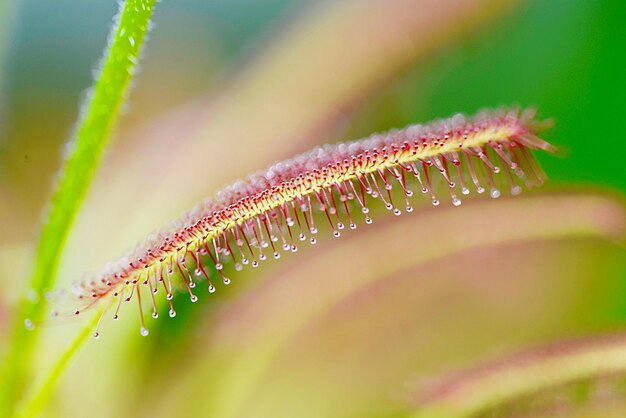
x=194 y=298
x=264 y=244
x=28 y=324
x=245 y=261
x=211 y=288
x=496 y=169
x=515 y=190
x=424 y=190
x=116 y=317
x=332 y=211
x=365 y=210
x=262 y=257
x=456 y=201
x=352 y=226
x=96 y=335
x=302 y=237
x=336 y=234
x=389 y=206
x=313 y=230
x=238 y=267
x=276 y=255
x=274 y=238
x=172 y=313
x=255 y=264
x=313 y=240
x=340 y=225
x=368 y=220
x=397 y=212
x=465 y=191
x=409 y=193
x=226 y=281
x=155 y=315
x=290 y=222
x=219 y=266
x=192 y=285
x=435 y=202
x=374 y=195
x=197 y=272
x=144 y=332
x=169 y=296
x=286 y=246
x=495 y=193
x=294 y=249
x=480 y=190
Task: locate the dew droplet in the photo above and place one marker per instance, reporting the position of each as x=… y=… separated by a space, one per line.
x=397 y=212
x=313 y=240
x=409 y=209
x=192 y=285
x=197 y=272
x=172 y=313
x=286 y=246
x=365 y=210
x=262 y=257
x=336 y=233
x=368 y=220
x=144 y=332
x=302 y=237
x=169 y=296
x=465 y=191
x=389 y=206
x=496 y=169
x=155 y=315
x=456 y=201
x=28 y=324
x=96 y=335
x=480 y=190
x=340 y=225
x=219 y=266
x=194 y=298
x=238 y=267
x=515 y=190
x=255 y=264
x=276 y=255
x=352 y=226
x=435 y=202
x=313 y=230
x=211 y=288
x=294 y=249
x=495 y=193
x=116 y=317
x=226 y=281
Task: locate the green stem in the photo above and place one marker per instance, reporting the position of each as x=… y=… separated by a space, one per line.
x=37 y=399
x=98 y=115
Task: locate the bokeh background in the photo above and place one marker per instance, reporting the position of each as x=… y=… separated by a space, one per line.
x=229 y=86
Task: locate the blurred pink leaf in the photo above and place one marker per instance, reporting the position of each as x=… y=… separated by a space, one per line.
x=527 y=377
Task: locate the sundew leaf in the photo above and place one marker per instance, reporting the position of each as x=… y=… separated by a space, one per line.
x=280 y=104
x=252 y=331
x=83 y=152
x=560 y=377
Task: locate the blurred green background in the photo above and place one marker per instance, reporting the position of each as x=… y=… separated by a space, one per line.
x=566 y=57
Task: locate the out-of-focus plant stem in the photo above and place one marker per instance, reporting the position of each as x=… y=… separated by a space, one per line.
x=36 y=400
x=83 y=153
x=477 y=392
